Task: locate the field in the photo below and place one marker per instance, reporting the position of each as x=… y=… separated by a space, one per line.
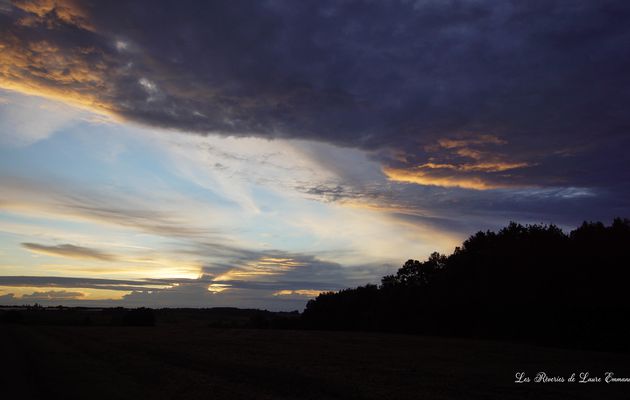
x=200 y=362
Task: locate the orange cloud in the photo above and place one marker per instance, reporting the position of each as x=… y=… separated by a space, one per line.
x=77 y=75
x=67 y=11
x=218 y=287
x=480 y=139
x=298 y=292
x=421 y=177
x=459 y=163
x=265 y=266
x=34 y=64
x=481 y=167
x=61 y=293
x=54 y=295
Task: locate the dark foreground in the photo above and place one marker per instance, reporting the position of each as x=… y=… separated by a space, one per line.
x=177 y=362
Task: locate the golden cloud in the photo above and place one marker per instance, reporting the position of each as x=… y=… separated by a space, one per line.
x=481 y=167
x=32 y=63
x=66 y=11
x=420 y=177
x=462 y=162
x=40 y=68
x=61 y=293
x=265 y=266
x=477 y=140
x=298 y=292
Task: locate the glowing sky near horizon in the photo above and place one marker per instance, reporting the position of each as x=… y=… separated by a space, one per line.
x=254 y=154
x=98 y=198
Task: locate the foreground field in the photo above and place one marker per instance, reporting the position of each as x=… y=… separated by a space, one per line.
x=175 y=362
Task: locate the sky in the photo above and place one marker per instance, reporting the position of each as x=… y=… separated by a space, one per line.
x=257 y=153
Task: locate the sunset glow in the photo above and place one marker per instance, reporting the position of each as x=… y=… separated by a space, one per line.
x=166 y=160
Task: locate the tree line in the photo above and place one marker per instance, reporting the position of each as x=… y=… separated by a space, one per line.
x=525 y=282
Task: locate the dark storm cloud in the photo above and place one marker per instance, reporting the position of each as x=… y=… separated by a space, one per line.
x=534 y=92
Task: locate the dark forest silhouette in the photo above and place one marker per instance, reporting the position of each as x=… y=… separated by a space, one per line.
x=532 y=283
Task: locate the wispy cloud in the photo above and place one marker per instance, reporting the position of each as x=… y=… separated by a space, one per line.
x=201 y=292
x=298 y=292
x=53 y=295
x=19 y=127
x=85 y=283
x=420 y=176
x=69 y=250
x=470 y=161
x=60 y=199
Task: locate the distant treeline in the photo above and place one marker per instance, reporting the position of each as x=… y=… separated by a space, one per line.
x=532 y=283
x=218 y=317
x=77 y=316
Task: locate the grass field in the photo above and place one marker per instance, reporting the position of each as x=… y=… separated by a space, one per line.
x=177 y=362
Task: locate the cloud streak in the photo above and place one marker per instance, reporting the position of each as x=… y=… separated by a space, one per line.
x=53 y=295
x=86 y=283
x=69 y=250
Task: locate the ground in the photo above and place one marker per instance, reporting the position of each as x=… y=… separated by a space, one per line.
x=184 y=362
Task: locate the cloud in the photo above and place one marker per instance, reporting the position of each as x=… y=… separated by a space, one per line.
x=533 y=77
x=53 y=295
x=466 y=142
x=85 y=283
x=249 y=278
x=298 y=292
x=64 y=199
x=421 y=177
x=42 y=11
x=18 y=127
x=353 y=233
x=69 y=250
x=278 y=295
x=239 y=268
x=277 y=280
x=470 y=162
x=277 y=270
x=6 y=299
x=368 y=216
x=200 y=296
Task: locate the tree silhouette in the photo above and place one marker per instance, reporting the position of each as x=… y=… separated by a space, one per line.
x=416 y=273
x=530 y=282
